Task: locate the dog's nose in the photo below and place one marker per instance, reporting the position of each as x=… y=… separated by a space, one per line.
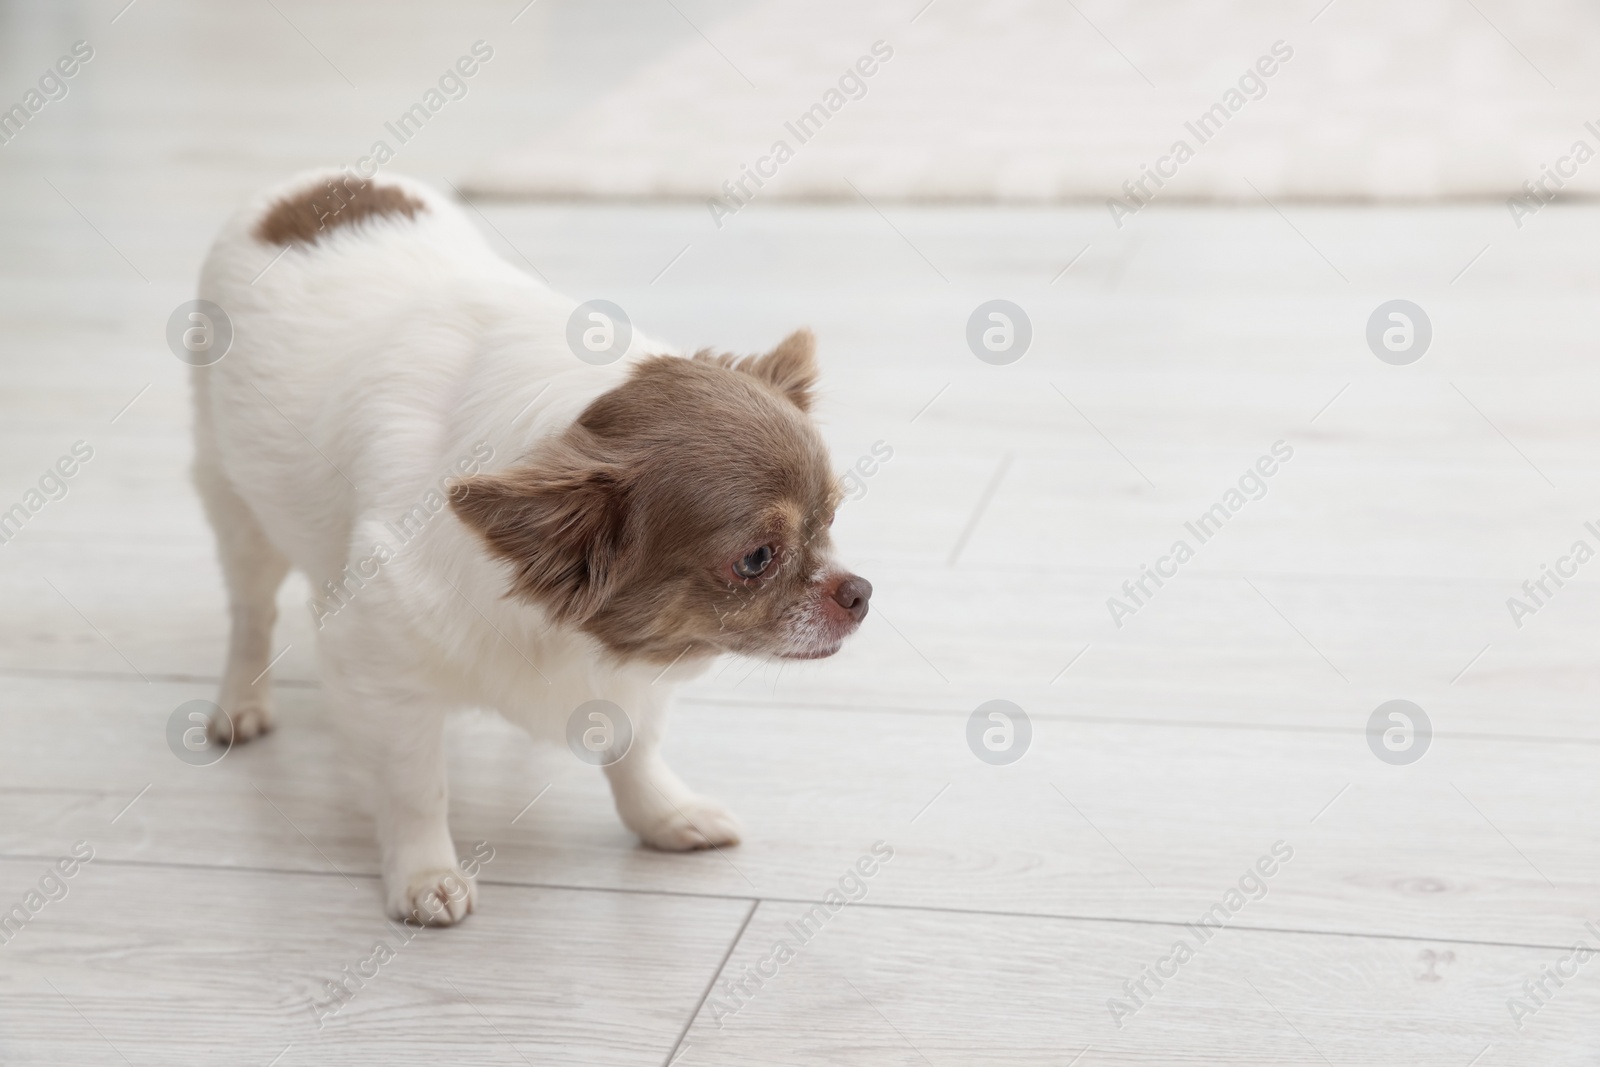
x=852 y=594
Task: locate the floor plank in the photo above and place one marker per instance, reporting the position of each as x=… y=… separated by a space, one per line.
x=874 y=987
x=192 y=966
x=1099 y=819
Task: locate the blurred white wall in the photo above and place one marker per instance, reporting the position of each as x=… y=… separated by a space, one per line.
x=1050 y=100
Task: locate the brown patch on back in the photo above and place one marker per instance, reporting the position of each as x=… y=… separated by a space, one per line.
x=306 y=216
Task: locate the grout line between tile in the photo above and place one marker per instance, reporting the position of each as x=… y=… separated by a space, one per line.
x=712 y=984
x=864 y=905
x=712 y=701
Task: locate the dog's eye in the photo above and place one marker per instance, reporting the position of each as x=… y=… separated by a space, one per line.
x=754 y=564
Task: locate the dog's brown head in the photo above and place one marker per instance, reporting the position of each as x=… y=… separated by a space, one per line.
x=688 y=508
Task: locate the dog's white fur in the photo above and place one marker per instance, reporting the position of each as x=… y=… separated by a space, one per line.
x=363 y=368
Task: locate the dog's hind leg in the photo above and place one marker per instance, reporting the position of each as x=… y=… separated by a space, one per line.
x=252 y=570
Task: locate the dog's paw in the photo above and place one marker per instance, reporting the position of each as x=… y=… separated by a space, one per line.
x=442 y=896
x=698 y=822
x=243 y=723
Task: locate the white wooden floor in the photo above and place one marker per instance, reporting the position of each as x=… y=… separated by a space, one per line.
x=1167 y=756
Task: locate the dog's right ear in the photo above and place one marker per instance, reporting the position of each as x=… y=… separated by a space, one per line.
x=559 y=521
x=791 y=368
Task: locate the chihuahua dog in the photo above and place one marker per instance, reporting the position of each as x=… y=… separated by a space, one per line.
x=492 y=516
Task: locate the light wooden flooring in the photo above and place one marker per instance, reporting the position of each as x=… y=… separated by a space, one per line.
x=1168 y=755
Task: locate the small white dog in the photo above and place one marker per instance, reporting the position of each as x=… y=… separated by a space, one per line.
x=491 y=520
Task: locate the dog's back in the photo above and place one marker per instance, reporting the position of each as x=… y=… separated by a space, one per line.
x=360 y=314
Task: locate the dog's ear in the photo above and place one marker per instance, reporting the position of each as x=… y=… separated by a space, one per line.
x=559 y=521
x=791 y=368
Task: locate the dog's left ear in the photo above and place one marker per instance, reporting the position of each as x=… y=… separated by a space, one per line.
x=558 y=521
x=791 y=368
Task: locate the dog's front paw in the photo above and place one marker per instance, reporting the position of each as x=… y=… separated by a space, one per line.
x=442 y=896
x=240 y=724
x=698 y=822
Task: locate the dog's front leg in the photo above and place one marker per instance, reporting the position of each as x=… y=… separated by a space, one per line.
x=656 y=804
x=397 y=732
x=422 y=880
